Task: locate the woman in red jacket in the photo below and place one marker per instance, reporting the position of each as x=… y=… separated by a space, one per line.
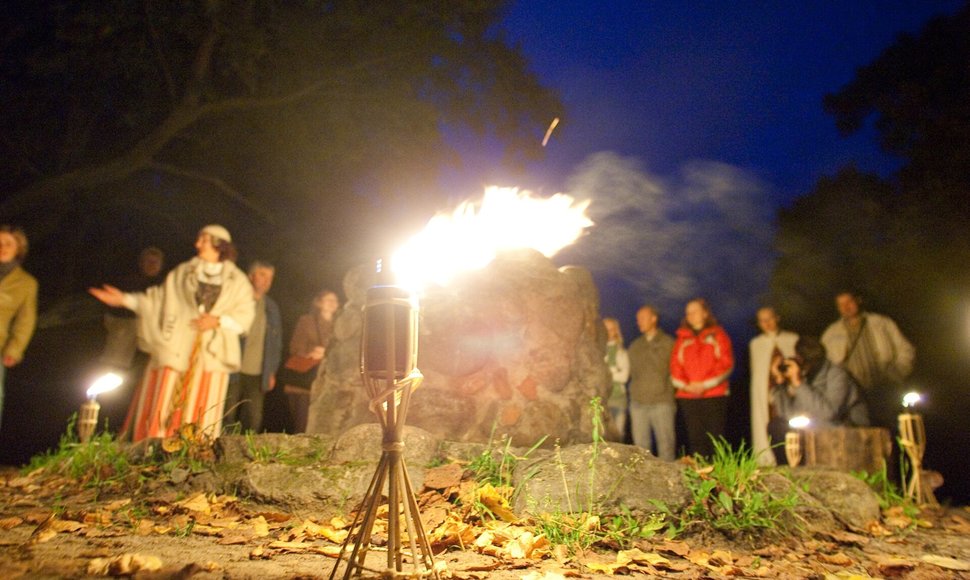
x=700 y=365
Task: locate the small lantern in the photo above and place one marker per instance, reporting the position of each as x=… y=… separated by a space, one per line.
x=88 y=418
x=793 y=439
x=912 y=438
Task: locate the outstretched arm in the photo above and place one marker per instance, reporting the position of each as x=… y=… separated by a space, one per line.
x=109 y=295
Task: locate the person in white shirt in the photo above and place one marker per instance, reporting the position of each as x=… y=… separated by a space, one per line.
x=773 y=343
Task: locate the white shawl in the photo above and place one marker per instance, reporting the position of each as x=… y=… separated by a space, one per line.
x=165 y=315
x=761 y=348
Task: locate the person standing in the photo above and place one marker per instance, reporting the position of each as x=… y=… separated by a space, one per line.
x=619 y=363
x=652 y=406
x=773 y=344
x=262 y=349
x=701 y=362
x=190 y=325
x=874 y=351
x=121 y=342
x=310 y=340
x=18 y=302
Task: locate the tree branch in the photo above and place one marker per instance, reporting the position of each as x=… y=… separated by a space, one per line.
x=226 y=189
x=162 y=61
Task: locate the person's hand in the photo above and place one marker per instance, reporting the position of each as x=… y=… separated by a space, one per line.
x=108 y=294
x=9 y=361
x=317 y=353
x=777 y=376
x=206 y=321
x=793 y=372
x=272 y=382
x=695 y=388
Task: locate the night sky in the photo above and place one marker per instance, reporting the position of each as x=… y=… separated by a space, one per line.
x=740 y=83
x=666 y=87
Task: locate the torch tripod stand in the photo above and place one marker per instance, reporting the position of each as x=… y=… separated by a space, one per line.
x=391 y=406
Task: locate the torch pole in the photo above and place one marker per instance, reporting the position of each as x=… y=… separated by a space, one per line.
x=389 y=383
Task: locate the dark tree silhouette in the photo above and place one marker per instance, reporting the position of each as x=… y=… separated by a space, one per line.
x=903 y=241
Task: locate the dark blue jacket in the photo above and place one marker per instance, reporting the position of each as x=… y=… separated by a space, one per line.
x=273 y=347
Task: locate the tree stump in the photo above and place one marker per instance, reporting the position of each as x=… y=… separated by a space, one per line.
x=848 y=448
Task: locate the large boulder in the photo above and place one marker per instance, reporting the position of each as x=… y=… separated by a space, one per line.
x=513 y=349
x=850 y=499
x=607 y=477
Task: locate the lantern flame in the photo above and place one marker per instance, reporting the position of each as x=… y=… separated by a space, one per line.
x=799 y=422
x=471 y=237
x=103 y=384
x=911 y=399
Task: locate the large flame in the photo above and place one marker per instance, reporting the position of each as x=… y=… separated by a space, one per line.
x=470 y=237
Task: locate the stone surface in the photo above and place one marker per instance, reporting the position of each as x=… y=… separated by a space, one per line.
x=517 y=346
x=295 y=448
x=624 y=476
x=846 y=496
x=309 y=474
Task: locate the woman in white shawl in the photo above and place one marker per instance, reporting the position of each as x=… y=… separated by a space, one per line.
x=773 y=343
x=190 y=325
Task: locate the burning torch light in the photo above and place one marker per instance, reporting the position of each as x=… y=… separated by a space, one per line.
x=911 y=399
x=88 y=420
x=389 y=354
x=793 y=439
x=912 y=438
x=470 y=238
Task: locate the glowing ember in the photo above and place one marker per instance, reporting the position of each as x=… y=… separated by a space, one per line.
x=470 y=238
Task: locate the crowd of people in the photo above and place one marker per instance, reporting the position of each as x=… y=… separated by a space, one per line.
x=206 y=340
x=852 y=376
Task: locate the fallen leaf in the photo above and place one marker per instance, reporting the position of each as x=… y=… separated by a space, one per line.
x=196 y=503
x=944 y=562
x=641 y=557
x=838 y=558
x=11 y=522
x=498 y=505
x=124 y=565
x=338 y=523
x=290 y=546
x=893 y=566
x=117 y=504
x=233 y=540
x=260 y=527
x=876 y=529
x=145 y=527
x=443 y=476
x=958 y=524
x=549 y=575
x=679 y=548
x=275 y=517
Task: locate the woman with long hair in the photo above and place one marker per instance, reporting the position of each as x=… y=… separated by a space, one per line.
x=309 y=341
x=700 y=364
x=619 y=362
x=190 y=325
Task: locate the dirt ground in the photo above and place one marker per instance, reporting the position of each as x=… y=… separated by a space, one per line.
x=50 y=528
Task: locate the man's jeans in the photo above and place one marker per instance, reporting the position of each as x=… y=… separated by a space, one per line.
x=658 y=418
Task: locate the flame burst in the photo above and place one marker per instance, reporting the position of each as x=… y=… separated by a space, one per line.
x=470 y=237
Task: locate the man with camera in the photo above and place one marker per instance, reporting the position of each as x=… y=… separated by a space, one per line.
x=809 y=384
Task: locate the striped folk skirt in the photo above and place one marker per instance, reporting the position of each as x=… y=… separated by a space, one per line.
x=163 y=404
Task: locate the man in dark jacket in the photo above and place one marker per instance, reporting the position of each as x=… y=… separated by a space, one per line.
x=262 y=349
